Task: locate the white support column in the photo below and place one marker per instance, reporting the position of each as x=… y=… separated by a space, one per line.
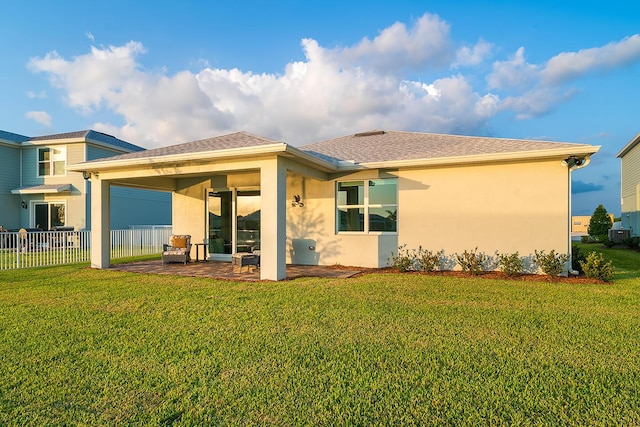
x=273 y=230
x=100 y=223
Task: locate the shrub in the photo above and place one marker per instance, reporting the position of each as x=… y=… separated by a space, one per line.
x=427 y=260
x=403 y=260
x=595 y=267
x=511 y=264
x=632 y=242
x=472 y=261
x=577 y=255
x=607 y=242
x=550 y=263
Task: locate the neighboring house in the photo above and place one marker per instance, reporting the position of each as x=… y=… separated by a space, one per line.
x=630 y=185
x=38 y=191
x=352 y=200
x=580 y=224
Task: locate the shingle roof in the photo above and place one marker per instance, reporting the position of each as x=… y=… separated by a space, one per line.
x=224 y=142
x=90 y=135
x=13 y=137
x=381 y=146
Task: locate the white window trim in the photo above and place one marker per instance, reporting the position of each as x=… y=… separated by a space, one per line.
x=51 y=161
x=32 y=206
x=366 y=207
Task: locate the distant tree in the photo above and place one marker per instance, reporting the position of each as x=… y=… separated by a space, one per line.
x=600 y=223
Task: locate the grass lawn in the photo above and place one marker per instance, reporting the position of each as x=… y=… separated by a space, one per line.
x=80 y=346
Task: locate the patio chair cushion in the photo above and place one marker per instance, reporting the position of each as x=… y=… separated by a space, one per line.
x=179 y=242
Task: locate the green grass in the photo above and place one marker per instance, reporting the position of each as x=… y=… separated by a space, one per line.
x=88 y=347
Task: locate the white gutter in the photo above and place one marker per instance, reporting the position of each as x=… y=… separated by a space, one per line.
x=580 y=150
x=570 y=169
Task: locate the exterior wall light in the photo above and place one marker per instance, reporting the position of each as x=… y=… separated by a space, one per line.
x=296 y=203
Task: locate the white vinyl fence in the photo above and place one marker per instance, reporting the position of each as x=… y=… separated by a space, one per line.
x=40 y=248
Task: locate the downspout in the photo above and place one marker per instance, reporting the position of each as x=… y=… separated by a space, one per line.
x=573 y=163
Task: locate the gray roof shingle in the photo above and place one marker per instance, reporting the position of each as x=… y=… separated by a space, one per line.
x=381 y=146
x=90 y=135
x=13 y=137
x=223 y=142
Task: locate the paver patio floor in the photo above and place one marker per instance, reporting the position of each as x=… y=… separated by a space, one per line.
x=224 y=270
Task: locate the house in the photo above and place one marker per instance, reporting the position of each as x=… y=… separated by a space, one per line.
x=38 y=191
x=630 y=185
x=352 y=200
x=580 y=224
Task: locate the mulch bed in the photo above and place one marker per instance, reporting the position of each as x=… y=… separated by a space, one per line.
x=496 y=275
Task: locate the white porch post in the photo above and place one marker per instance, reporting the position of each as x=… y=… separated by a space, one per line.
x=273 y=232
x=100 y=223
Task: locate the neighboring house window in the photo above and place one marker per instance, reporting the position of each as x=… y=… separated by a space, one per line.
x=49 y=214
x=51 y=161
x=369 y=205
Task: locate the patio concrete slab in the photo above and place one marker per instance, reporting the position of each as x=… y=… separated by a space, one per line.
x=224 y=270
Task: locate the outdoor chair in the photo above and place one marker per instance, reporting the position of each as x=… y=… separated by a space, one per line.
x=248 y=259
x=178 y=250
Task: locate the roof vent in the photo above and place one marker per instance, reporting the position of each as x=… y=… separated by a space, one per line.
x=372 y=133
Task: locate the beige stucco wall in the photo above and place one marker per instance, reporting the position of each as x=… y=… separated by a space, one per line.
x=501 y=207
x=496 y=207
x=314 y=226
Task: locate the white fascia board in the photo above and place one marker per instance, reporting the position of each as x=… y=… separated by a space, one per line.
x=98 y=165
x=55 y=141
x=586 y=150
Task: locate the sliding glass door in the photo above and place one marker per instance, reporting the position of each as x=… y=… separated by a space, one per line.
x=233 y=222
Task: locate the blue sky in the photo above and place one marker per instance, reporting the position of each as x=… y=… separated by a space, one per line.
x=158 y=73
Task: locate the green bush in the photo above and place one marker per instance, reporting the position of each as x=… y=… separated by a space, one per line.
x=511 y=264
x=632 y=242
x=403 y=260
x=428 y=260
x=607 y=242
x=473 y=262
x=577 y=255
x=550 y=263
x=595 y=267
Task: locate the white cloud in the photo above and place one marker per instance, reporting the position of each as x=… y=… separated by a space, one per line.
x=41 y=117
x=427 y=43
x=90 y=36
x=34 y=95
x=332 y=92
x=571 y=65
x=538 y=88
x=515 y=73
x=466 y=56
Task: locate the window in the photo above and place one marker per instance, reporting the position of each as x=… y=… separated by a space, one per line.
x=369 y=205
x=49 y=214
x=51 y=161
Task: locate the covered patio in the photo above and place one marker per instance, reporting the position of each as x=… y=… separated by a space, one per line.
x=224 y=270
x=209 y=181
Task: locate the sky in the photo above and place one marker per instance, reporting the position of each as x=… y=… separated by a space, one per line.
x=157 y=73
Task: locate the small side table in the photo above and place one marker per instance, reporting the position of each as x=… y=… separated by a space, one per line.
x=204 y=250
